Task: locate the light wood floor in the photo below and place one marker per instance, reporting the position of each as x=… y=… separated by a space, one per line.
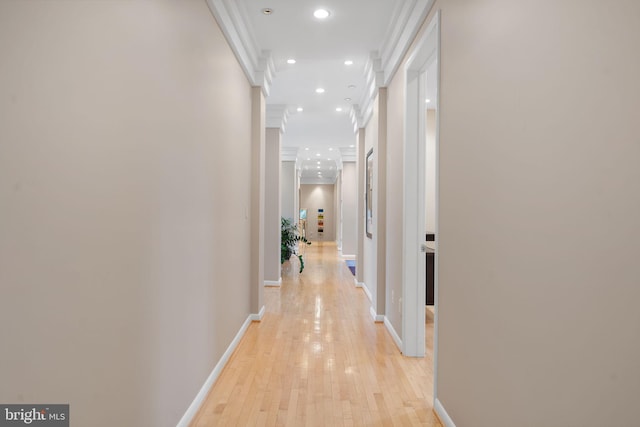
x=318 y=359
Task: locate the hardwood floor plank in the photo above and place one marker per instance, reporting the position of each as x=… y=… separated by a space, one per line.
x=318 y=359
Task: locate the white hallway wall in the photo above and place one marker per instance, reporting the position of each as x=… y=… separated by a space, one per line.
x=122 y=275
x=539 y=208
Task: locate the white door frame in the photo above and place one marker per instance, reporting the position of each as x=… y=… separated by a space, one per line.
x=424 y=53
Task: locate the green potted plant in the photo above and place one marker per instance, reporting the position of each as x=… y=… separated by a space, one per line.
x=289 y=239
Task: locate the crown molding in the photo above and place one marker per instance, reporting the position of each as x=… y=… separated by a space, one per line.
x=257 y=66
x=354 y=115
x=276 y=116
x=348 y=154
x=407 y=19
x=331 y=180
x=373 y=76
x=289 y=154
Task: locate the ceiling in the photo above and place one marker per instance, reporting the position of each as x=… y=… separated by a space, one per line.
x=366 y=32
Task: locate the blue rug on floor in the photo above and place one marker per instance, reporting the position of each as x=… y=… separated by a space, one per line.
x=351 y=263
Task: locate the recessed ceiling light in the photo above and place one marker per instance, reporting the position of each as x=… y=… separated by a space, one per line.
x=427 y=101
x=318 y=154
x=318 y=162
x=351 y=86
x=291 y=61
x=300 y=110
x=330 y=148
x=348 y=99
x=320 y=90
x=351 y=146
x=338 y=109
x=318 y=167
x=348 y=62
x=267 y=11
x=321 y=13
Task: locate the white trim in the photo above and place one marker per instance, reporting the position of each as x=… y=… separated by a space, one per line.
x=276 y=116
x=204 y=391
x=313 y=180
x=272 y=283
x=436 y=271
x=393 y=332
x=407 y=24
x=442 y=414
x=358 y=284
x=258 y=317
x=257 y=66
x=406 y=20
x=289 y=154
x=413 y=259
x=367 y=292
x=348 y=256
x=348 y=154
x=373 y=81
x=378 y=318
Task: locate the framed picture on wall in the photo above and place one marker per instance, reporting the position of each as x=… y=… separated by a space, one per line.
x=369 y=195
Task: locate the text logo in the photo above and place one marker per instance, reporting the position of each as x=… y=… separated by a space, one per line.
x=34 y=415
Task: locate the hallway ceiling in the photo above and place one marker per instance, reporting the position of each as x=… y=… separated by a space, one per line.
x=373 y=34
x=352 y=31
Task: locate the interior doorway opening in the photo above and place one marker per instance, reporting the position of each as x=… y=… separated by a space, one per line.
x=421 y=188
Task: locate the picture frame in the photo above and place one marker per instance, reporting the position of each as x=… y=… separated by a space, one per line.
x=369 y=195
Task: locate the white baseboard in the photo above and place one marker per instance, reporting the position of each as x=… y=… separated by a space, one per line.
x=273 y=283
x=204 y=391
x=442 y=414
x=367 y=292
x=393 y=333
x=378 y=318
x=358 y=284
x=257 y=317
x=348 y=256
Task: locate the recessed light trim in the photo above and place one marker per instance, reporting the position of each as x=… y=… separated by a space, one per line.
x=317 y=154
x=351 y=86
x=348 y=99
x=300 y=110
x=319 y=90
x=267 y=11
x=339 y=109
x=348 y=62
x=291 y=61
x=321 y=13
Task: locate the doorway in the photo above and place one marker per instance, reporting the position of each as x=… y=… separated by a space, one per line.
x=422 y=82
